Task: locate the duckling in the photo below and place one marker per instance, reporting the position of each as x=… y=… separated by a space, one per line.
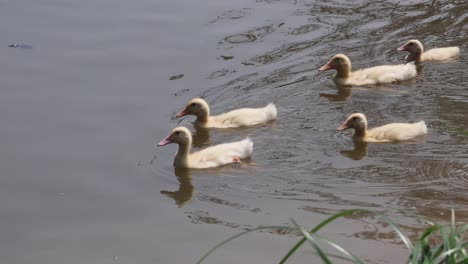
x=387 y=133
x=375 y=75
x=210 y=157
x=417 y=53
x=236 y=118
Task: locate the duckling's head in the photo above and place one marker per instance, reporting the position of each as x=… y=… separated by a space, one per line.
x=413 y=46
x=179 y=135
x=339 y=62
x=357 y=121
x=197 y=107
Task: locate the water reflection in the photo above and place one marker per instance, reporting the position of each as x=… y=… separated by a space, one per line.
x=357 y=153
x=201 y=137
x=419 y=68
x=343 y=93
x=185 y=192
x=98 y=129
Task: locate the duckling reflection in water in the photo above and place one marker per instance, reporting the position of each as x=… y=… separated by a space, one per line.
x=358 y=153
x=201 y=138
x=185 y=192
x=343 y=94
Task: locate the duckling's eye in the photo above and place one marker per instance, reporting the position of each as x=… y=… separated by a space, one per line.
x=177 y=133
x=338 y=59
x=411 y=44
x=354 y=118
x=193 y=104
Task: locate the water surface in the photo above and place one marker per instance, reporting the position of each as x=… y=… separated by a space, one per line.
x=82 y=110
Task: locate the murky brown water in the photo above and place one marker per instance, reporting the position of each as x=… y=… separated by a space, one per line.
x=82 y=180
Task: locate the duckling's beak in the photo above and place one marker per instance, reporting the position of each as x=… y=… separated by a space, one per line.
x=165 y=141
x=326 y=67
x=402 y=48
x=343 y=126
x=182 y=113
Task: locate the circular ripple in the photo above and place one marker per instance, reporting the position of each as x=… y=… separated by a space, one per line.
x=241 y=38
x=454 y=173
x=304 y=29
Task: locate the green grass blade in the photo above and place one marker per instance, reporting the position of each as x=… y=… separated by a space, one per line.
x=451 y=249
x=414 y=257
x=313 y=243
x=318 y=227
x=448 y=254
x=331 y=255
x=428 y=231
x=437 y=250
x=350 y=257
x=453 y=220
x=238 y=235
x=423 y=251
x=461 y=240
x=446 y=240
x=402 y=235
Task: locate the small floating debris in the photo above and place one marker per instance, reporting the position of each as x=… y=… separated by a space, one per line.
x=227 y=57
x=20 y=45
x=175 y=77
x=181 y=92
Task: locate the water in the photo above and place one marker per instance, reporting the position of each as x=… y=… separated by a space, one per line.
x=82 y=110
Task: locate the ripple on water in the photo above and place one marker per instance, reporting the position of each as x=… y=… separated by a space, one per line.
x=303 y=162
x=453 y=174
x=304 y=29
x=217 y=200
x=218 y=73
x=251 y=35
x=203 y=217
x=284 y=51
x=233 y=14
x=241 y=38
